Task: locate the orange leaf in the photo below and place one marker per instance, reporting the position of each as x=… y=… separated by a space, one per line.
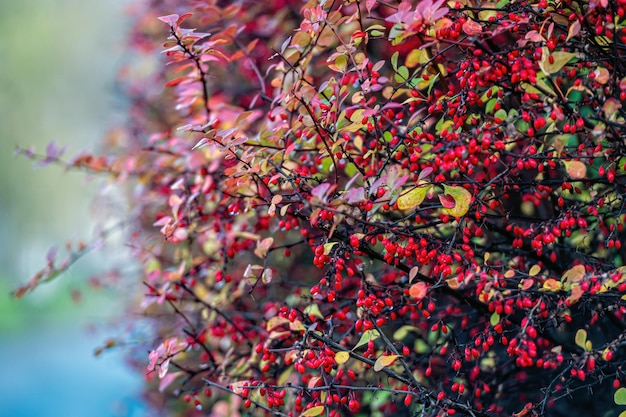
x=552 y=285
x=384 y=361
x=418 y=290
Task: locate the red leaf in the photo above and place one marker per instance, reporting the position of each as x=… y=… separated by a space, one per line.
x=447 y=201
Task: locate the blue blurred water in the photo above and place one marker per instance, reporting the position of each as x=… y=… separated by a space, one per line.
x=57 y=81
x=53 y=372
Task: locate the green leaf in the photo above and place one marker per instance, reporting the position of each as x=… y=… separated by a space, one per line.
x=329 y=246
x=620 y=396
x=402 y=75
x=313 y=310
x=501 y=114
x=403 y=332
x=394 y=60
x=366 y=337
x=581 y=338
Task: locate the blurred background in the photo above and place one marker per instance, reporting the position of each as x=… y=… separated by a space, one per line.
x=59 y=60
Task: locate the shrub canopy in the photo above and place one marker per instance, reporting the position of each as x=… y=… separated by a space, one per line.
x=384 y=208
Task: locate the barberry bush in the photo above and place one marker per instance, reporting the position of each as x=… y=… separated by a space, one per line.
x=377 y=207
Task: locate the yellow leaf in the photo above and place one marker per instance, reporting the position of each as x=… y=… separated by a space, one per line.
x=275 y=322
x=559 y=59
x=296 y=326
x=384 y=361
x=342 y=357
x=552 y=285
x=313 y=411
x=413 y=198
x=534 y=270
x=462 y=200
x=416 y=56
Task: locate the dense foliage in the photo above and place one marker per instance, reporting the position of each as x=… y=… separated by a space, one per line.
x=378 y=208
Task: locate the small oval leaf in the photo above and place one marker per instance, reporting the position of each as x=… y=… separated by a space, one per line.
x=581 y=338
x=620 y=396
x=384 y=361
x=342 y=357
x=534 y=270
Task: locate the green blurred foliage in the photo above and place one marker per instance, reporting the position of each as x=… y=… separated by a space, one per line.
x=57 y=77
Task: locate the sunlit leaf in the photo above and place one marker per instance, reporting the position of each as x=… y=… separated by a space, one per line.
x=413 y=198
x=551 y=63
x=384 y=361
x=313 y=411
x=462 y=200
x=275 y=322
x=552 y=285
x=342 y=357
